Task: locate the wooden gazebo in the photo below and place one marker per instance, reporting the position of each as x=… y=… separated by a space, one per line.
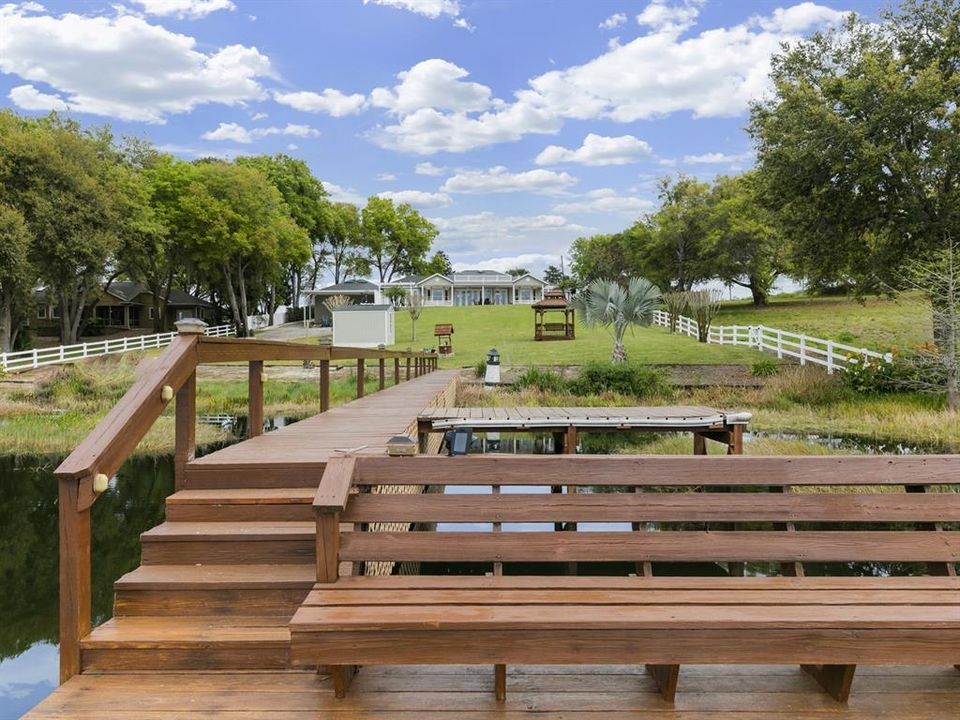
x=555 y=302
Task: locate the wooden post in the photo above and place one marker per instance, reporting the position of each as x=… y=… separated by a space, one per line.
x=699 y=444
x=255 y=398
x=735 y=446
x=383 y=374
x=408 y=368
x=185 y=430
x=361 y=376
x=324 y=385
x=396 y=371
x=74 y=576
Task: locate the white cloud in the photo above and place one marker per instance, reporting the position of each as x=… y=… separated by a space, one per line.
x=123 y=66
x=433 y=83
x=418 y=198
x=713 y=74
x=259 y=116
x=330 y=101
x=605 y=200
x=386 y=177
x=192 y=9
x=660 y=15
x=292 y=146
x=428 y=168
x=498 y=179
x=532 y=261
x=598 y=150
x=615 y=20
x=432 y=9
x=27 y=97
x=338 y=193
x=237 y=133
x=716 y=158
x=477 y=237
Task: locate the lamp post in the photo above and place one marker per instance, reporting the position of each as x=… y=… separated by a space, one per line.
x=492 y=376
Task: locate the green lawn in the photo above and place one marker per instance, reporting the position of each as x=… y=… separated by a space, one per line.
x=875 y=323
x=509 y=328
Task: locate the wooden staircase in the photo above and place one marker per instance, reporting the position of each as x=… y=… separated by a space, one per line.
x=219 y=582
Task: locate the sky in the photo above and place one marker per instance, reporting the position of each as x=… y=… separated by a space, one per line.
x=515 y=126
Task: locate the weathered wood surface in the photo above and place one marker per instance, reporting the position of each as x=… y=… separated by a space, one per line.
x=687 y=417
x=461 y=693
x=296 y=455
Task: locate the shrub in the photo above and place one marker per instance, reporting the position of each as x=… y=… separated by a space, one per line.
x=920 y=371
x=627 y=379
x=481 y=369
x=704 y=306
x=765 y=368
x=808 y=386
x=542 y=380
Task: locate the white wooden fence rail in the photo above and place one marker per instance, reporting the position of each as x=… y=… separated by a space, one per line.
x=806 y=349
x=29 y=359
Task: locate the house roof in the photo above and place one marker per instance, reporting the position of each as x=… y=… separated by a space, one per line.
x=347 y=287
x=552 y=300
x=127 y=291
x=407 y=280
x=363 y=308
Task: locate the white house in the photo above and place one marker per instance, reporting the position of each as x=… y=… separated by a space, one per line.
x=472 y=287
x=363 y=325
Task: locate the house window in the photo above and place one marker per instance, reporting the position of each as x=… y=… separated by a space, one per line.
x=151 y=311
x=55 y=312
x=526 y=294
x=185 y=314
x=436 y=294
x=42 y=312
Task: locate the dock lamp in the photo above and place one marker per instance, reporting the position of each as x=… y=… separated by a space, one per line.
x=492 y=376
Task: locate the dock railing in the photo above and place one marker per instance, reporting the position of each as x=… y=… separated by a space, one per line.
x=806 y=349
x=61 y=354
x=86 y=472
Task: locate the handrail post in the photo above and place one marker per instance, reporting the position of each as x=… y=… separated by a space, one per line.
x=324 y=385
x=408 y=367
x=361 y=374
x=383 y=374
x=74 y=576
x=255 y=398
x=185 y=430
x=396 y=371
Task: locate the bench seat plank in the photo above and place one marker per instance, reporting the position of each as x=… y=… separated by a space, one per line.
x=656 y=507
x=322 y=596
x=678 y=546
x=569 y=646
x=627 y=617
x=547 y=582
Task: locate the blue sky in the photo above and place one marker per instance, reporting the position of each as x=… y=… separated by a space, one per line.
x=515 y=125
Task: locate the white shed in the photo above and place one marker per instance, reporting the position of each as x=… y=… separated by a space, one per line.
x=363 y=325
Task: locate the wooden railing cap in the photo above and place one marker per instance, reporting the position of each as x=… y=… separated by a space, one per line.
x=191 y=326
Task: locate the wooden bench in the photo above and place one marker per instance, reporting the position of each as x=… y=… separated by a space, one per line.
x=635 y=600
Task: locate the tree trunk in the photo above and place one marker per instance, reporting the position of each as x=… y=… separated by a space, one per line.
x=759 y=294
x=413 y=325
x=243 y=299
x=232 y=301
x=6 y=326
x=619 y=355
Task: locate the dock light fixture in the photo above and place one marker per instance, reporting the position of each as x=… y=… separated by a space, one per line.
x=166 y=393
x=100 y=483
x=458 y=441
x=492 y=376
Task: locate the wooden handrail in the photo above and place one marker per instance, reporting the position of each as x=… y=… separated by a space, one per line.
x=84 y=473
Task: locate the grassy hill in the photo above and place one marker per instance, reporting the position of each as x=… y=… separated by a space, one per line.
x=509 y=328
x=875 y=323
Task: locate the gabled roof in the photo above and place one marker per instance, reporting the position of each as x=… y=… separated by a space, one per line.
x=347 y=287
x=125 y=290
x=528 y=275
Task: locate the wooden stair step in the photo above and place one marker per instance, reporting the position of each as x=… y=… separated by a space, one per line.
x=178 y=643
x=228 y=543
x=213 y=589
x=241 y=504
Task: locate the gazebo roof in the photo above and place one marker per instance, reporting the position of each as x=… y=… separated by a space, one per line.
x=552 y=300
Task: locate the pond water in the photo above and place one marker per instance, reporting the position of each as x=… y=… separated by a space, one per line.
x=134 y=503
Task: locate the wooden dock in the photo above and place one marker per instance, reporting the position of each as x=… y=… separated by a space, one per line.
x=201 y=628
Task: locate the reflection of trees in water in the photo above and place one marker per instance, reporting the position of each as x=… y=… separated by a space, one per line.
x=29 y=541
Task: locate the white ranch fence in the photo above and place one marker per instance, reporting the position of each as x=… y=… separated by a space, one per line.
x=831 y=355
x=30 y=359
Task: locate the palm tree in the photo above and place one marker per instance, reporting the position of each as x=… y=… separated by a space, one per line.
x=608 y=303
